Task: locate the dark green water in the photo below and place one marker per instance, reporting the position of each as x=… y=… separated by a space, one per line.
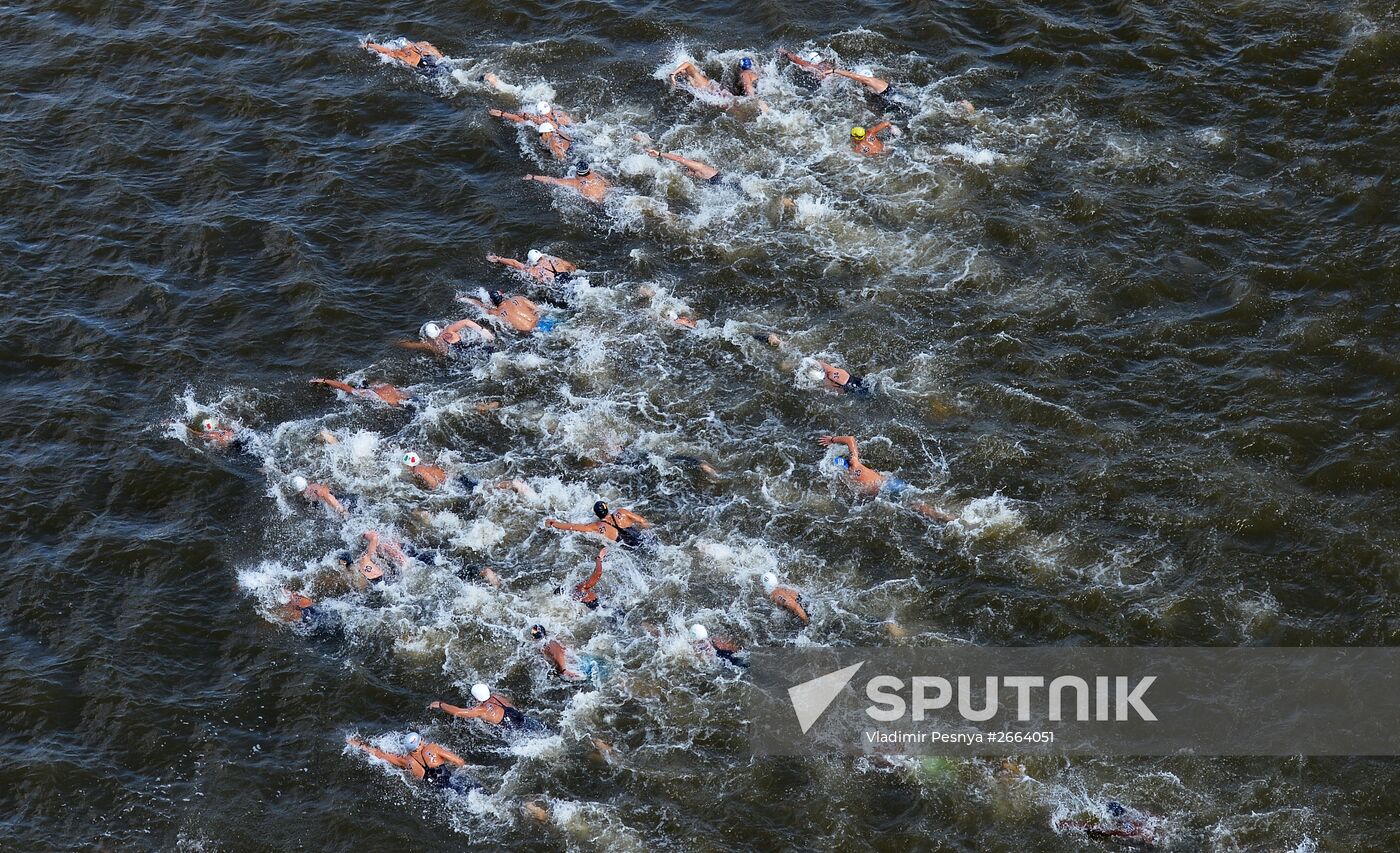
x=1132 y=322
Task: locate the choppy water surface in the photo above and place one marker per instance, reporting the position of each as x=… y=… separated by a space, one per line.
x=1131 y=321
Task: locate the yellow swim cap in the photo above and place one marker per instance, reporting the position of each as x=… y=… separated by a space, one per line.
x=857 y=133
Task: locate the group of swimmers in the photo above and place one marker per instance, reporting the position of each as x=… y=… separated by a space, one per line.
x=381 y=557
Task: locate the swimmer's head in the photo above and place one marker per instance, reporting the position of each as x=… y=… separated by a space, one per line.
x=537 y=632
x=542 y=108
x=841 y=462
x=698 y=632
x=770 y=581
x=208 y=425
x=582 y=170
x=480 y=692
x=857 y=133
x=412 y=741
x=430 y=331
x=814 y=57
x=533 y=256
x=299 y=483
x=1116 y=809
x=815 y=373
x=546 y=127
x=600 y=509
x=411 y=459
x=497 y=297
x=746 y=64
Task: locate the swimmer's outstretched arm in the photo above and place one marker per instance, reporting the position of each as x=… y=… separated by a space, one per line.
x=458 y=326
x=333 y=503
x=421 y=346
x=874 y=83
x=702 y=170
x=597 y=572
x=400 y=761
x=507 y=262
x=880 y=127
x=337 y=385
x=931 y=512
x=558 y=182
x=511 y=117
x=847 y=441
x=569 y=526
x=464 y=713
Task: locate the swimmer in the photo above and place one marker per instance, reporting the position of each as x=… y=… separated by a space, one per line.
x=830 y=376
x=302 y=610
x=583 y=592
x=705 y=645
x=813 y=64
x=870 y=482
x=382 y=392
x=517 y=312
x=418 y=55
x=679 y=318
x=552 y=138
x=584 y=182
x=866 y=142
x=702 y=171
x=543 y=110
x=440 y=342
x=785 y=597
x=874 y=84
x=493 y=708
x=696 y=79
x=539 y=266
x=613 y=525
x=214 y=435
x=554 y=652
x=317 y=493
x=366 y=570
x=748 y=78
x=431 y=477
x=428 y=762
x=1128 y=827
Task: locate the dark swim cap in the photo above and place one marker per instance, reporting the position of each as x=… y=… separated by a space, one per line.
x=600 y=509
x=1116 y=809
x=497 y=297
x=537 y=632
x=581 y=169
x=746 y=63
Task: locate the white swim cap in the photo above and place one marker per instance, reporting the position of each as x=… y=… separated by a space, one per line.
x=299 y=483
x=412 y=741
x=208 y=425
x=542 y=108
x=698 y=632
x=533 y=256
x=480 y=692
x=410 y=459
x=546 y=127
x=815 y=373
x=430 y=331
x=770 y=580
x=814 y=57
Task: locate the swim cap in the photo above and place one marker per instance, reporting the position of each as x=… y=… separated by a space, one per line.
x=814 y=57
x=537 y=632
x=299 y=483
x=582 y=170
x=841 y=462
x=533 y=256
x=600 y=509
x=430 y=331
x=770 y=580
x=857 y=132
x=208 y=425
x=746 y=63
x=412 y=741
x=497 y=297
x=698 y=632
x=410 y=459
x=542 y=108
x=480 y=692
x=546 y=128
x=816 y=374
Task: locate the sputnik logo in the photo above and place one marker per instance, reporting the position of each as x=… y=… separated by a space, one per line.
x=810 y=699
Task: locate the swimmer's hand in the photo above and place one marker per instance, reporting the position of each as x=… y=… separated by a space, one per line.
x=895 y=131
x=435 y=706
x=495 y=113
x=826 y=440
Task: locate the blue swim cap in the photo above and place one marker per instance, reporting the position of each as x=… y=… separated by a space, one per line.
x=746 y=63
x=841 y=462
